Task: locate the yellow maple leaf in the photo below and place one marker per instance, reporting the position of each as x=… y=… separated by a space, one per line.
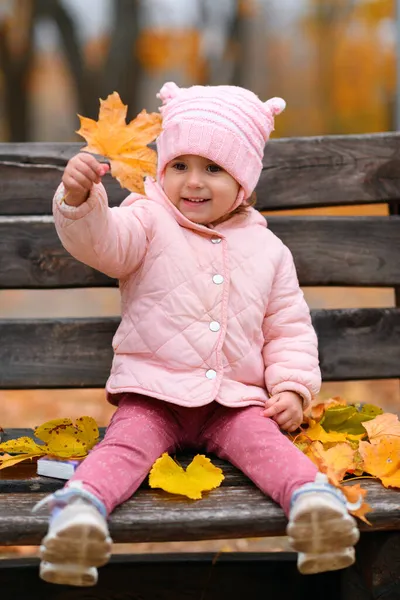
x=382 y=457
x=87 y=426
x=124 y=144
x=200 y=476
x=63 y=439
x=66 y=445
x=44 y=432
x=22 y=445
x=383 y=425
x=392 y=480
x=317 y=433
x=8 y=461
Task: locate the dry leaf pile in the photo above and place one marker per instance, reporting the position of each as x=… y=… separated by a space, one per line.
x=61 y=439
x=125 y=145
x=353 y=441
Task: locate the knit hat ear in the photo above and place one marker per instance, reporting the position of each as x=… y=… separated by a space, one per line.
x=275 y=105
x=168 y=92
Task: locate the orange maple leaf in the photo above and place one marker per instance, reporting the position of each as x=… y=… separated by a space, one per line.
x=124 y=144
x=382 y=457
x=383 y=425
x=335 y=461
x=353 y=495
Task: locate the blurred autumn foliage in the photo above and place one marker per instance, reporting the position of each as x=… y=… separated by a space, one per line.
x=332 y=60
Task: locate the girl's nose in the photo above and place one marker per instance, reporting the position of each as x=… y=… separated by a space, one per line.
x=194 y=179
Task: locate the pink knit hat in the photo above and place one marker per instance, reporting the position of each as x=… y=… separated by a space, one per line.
x=226 y=124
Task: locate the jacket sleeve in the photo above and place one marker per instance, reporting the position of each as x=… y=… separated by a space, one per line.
x=291 y=347
x=111 y=240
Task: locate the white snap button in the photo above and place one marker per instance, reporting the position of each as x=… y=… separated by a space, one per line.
x=215 y=240
x=211 y=374
x=215 y=326
x=218 y=279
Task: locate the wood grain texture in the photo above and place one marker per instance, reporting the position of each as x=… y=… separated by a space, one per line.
x=191 y=576
x=156 y=516
x=297 y=173
x=68 y=353
x=353 y=251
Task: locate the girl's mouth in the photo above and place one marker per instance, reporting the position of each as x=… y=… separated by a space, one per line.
x=195 y=201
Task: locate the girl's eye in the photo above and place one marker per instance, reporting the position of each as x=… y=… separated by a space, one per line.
x=214 y=168
x=179 y=166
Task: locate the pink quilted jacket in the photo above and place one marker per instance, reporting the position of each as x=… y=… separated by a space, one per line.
x=207 y=313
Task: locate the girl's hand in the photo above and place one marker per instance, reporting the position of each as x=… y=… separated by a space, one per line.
x=81 y=172
x=286 y=409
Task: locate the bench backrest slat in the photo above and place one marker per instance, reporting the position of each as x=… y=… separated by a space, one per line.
x=298 y=172
x=353 y=251
x=354 y=344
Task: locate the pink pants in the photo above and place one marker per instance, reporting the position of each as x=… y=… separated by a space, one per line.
x=142 y=428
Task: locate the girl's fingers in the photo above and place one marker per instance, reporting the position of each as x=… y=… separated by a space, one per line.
x=272 y=406
x=283 y=417
x=272 y=411
x=77 y=181
x=287 y=426
x=90 y=161
x=93 y=171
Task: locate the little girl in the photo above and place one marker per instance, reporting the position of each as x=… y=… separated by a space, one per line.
x=215 y=350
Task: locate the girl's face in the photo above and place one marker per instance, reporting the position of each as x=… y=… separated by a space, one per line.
x=200 y=189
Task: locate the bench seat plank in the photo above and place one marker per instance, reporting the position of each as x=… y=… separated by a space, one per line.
x=298 y=172
x=155 y=516
x=68 y=353
x=353 y=251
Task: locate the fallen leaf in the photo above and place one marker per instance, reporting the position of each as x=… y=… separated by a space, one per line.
x=45 y=431
x=317 y=411
x=8 y=461
x=381 y=458
x=87 y=426
x=347 y=419
x=63 y=439
x=201 y=475
x=124 y=144
x=383 y=425
x=22 y=445
x=334 y=462
x=354 y=494
x=317 y=433
x=392 y=480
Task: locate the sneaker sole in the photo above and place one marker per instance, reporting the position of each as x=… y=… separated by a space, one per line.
x=81 y=545
x=310 y=564
x=322 y=530
x=68 y=574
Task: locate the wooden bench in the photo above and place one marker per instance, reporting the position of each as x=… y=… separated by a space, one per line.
x=74 y=353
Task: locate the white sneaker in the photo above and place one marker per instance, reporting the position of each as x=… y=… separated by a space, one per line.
x=321 y=529
x=77 y=542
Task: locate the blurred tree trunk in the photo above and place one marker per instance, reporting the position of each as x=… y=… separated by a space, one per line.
x=248 y=34
x=16 y=63
x=120 y=71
